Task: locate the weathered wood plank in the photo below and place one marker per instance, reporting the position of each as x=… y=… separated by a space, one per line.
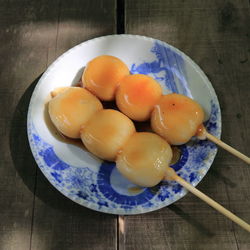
x=19 y=68
x=66 y=225
x=215 y=34
x=33 y=214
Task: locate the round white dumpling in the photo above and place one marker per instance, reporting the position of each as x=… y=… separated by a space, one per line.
x=176 y=118
x=106 y=132
x=102 y=76
x=136 y=96
x=144 y=159
x=72 y=108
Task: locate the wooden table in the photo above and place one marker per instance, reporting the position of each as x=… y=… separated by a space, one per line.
x=215 y=34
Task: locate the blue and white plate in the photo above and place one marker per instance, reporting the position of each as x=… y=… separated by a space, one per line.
x=93 y=183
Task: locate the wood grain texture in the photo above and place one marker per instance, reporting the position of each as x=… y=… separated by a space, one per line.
x=216 y=35
x=33 y=215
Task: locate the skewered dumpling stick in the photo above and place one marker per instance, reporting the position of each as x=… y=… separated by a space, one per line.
x=144 y=160
x=141 y=157
x=177 y=118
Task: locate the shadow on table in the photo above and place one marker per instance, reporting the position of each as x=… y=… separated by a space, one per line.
x=216 y=174
x=25 y=164
x=19 y=146
x=191 y=220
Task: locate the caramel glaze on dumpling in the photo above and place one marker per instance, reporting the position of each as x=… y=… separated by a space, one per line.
x=72 y=108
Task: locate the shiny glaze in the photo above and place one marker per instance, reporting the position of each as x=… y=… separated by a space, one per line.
x=106 y=132
x=102 y=76
x=72 y=108
x=176 y=118
x=57 y=134
x=136 y=96
x=144 y=159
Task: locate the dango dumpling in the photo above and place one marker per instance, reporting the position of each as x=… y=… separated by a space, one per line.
x=71 y=108
x=136 y=96
x=144 y=159
x=102 y=76
x=176 y=118
x=106 y=132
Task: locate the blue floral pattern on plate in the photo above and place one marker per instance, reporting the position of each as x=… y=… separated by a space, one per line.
x=105 y=189
x=169 y=68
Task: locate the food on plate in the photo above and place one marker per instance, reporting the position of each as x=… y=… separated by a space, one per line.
x=106 y=132
x=72 y=108
x=176 y=118
x=136 y=96
x=144 y=159
x=109 y=134
x=102 y=76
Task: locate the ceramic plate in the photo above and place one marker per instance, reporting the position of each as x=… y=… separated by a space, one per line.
x=98 y=185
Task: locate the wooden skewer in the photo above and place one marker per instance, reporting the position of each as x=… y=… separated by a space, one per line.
x=228 y=148
x=171 y=175
x=203 y=134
